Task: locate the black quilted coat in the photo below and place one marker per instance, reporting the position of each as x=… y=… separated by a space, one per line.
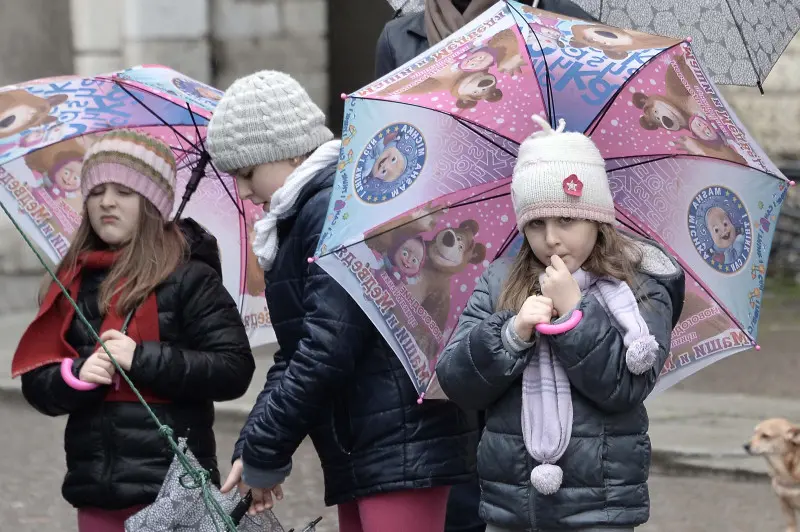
x=607 y=461
x=115 y=455
x=336 y=379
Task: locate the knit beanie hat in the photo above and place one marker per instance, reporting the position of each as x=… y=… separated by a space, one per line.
x=134 y=160
x=560 y=174
x=262 y=118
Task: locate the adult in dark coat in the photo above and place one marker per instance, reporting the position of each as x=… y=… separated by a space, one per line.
x=402 y=39
x=405 y=37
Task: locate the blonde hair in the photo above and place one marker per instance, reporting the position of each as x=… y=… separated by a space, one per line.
x=154 y=252
x=613 y=255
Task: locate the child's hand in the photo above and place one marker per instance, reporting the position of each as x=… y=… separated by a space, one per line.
x=120 y=346
x=97 y=369
x=535 y=310
x=559 y=285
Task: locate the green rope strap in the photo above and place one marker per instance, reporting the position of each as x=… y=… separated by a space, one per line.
x=199 y=477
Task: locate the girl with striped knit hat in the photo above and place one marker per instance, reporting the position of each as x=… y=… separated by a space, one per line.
x=152 y=289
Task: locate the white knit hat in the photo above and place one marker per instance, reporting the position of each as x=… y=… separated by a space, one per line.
x=560 y=174
x=262 y=118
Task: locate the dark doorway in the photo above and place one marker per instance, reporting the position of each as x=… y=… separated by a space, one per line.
x=353 y=30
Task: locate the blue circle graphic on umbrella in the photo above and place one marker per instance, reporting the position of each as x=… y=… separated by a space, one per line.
x=390 y=163
x=720 y=229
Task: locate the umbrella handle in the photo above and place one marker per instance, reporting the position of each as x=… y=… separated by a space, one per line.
x=71 y=380
x=560 y=328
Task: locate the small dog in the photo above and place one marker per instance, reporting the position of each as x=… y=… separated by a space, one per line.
x=778 y=441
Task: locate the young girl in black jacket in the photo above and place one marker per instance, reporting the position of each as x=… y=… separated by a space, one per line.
x=184 y=348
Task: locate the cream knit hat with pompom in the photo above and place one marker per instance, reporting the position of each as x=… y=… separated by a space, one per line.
x=560 y=174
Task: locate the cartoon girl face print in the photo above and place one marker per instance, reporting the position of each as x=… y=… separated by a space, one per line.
x=208 y=94
x=67 y=177
x=389 y=165
x=720 y=227
x=408 y=257
x=479 y=60
x=545 y=36
x=703 y=129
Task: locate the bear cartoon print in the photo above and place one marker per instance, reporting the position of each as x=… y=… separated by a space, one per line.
x=679 y=111
x=20 y=111
x=449 y=253
x=615 y=43
x=428 y=264
x=468 y=79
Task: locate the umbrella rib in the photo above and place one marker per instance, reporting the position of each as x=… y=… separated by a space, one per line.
x=507 y=242
x=409 y=104
x=550 y=102
x=140 y=102
x=239 y=209
x=601 y=114
x=744 y=43
x=484 y=136
x=691 y=156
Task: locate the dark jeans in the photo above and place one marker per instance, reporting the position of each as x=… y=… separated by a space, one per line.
x=462 y=505
x=462 y=509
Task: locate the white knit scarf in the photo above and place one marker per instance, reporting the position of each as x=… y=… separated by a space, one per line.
x=265 y=243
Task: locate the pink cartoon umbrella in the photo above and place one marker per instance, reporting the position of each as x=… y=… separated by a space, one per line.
x=47 y=125
x=421 y=203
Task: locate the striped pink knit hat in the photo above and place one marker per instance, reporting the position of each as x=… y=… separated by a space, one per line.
x=134 y=160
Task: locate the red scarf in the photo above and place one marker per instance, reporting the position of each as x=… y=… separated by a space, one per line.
x=39 y=346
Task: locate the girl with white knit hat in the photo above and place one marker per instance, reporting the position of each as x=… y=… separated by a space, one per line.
x=561 y=346
x=388 y=462
x=152 y=289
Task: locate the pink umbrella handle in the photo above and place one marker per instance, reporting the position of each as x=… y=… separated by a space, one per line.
x=560 y=328
x=71 y=380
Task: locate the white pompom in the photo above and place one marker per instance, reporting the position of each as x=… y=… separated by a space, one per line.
x=641 y=354
x=546 y=478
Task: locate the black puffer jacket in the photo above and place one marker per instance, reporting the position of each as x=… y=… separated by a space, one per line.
x=403 y=38
x=115 y=455
x=607 y=461
x=336 y=379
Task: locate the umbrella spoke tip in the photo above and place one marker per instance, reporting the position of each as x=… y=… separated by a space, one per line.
x=689 y=39
x=311 y=260
x=758 y=347
x=792 y=183
x=343 y=96
x=421 y=398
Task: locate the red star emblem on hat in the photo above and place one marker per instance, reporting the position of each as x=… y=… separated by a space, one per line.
x=573 y=186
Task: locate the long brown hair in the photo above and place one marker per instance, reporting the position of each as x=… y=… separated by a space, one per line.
x=613 y=255
x=154 y=252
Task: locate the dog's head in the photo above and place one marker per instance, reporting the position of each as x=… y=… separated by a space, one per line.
x=774 y=437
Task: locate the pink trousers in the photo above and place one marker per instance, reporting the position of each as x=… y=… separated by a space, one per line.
x=421 y=510
x=96 y=520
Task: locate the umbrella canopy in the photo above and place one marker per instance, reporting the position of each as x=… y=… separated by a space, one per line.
x=738 y=41
x=47 y=125
x=421 y=203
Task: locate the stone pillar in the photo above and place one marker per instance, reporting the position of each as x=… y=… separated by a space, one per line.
x=111 y=35
x=96 y=36
x=286 y=35
x=169 y=32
